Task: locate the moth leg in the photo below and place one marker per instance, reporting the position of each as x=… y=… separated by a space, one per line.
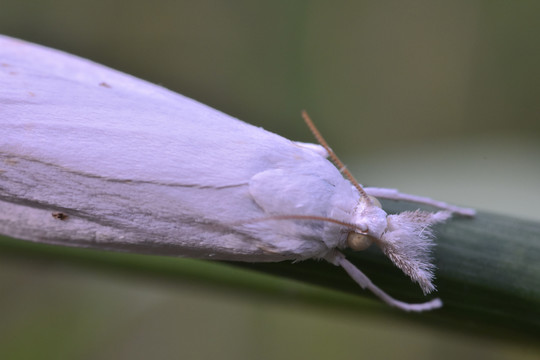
x=362 y=280
x=394 y=194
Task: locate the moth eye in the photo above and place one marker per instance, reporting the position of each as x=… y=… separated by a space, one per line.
x=375 y=201
x=358 y=242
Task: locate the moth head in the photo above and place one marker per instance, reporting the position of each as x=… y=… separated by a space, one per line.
x=406 y=238
x=371 y=221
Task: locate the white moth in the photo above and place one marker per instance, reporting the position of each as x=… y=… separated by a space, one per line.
x=126 y=165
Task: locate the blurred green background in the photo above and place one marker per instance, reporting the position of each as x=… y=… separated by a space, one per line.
x=435 y=98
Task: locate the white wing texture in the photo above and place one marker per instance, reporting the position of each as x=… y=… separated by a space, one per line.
x=136 y=167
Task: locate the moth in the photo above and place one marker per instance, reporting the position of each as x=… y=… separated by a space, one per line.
x=135 y=167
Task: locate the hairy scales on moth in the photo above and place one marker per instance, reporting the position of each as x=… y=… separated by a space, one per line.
x=139 y=168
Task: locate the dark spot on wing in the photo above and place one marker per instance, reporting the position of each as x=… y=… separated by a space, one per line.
x=59 y=216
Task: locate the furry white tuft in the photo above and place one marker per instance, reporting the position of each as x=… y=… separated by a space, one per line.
x=408 y=240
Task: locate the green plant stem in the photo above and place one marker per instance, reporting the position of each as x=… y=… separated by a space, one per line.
x=488 y=275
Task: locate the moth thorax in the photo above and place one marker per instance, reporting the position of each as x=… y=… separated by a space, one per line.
x=358 y=242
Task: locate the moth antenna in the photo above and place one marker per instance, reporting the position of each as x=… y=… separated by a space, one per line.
x=307 y=217
x=339 y=164
x=364 y=282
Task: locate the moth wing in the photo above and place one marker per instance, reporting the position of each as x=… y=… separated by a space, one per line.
x=57 y=106
x=133 y=165
x=319 y=149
